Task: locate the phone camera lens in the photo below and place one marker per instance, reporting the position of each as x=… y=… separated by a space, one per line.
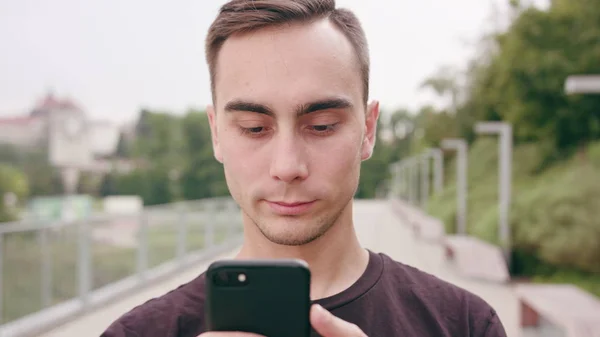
x=223 y=277
x=229 y=278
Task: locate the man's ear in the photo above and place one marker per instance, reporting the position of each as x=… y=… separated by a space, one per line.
x=371 y=118
x=212 y=120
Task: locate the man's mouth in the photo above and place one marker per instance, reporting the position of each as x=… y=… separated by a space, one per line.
x=290 y=207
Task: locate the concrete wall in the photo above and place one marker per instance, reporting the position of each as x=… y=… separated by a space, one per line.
x=544 y=328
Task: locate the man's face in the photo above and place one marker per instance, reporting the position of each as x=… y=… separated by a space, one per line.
x=291 y=128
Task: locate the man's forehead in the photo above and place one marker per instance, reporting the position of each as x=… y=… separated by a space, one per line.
x=300 y=60
x=290 y=34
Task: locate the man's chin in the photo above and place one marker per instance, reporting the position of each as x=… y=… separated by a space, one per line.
x=291 y=240
x=292 y=231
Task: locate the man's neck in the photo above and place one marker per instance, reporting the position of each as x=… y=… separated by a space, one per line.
x=336 y=259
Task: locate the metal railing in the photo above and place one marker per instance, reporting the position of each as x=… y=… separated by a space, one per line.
x=52 y=272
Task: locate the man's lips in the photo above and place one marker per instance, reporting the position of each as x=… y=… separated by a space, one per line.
x=290 y=208
x=290 y=204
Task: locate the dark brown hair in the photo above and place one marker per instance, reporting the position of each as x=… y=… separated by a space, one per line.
x=241 y=16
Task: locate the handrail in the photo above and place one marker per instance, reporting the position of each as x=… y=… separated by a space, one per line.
x=155 y=241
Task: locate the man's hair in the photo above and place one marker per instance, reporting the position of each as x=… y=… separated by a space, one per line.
x=242 y=16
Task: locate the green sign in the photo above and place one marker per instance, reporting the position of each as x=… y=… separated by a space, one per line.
x=58 y=208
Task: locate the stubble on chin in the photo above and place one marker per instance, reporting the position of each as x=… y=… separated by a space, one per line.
x=316 y=228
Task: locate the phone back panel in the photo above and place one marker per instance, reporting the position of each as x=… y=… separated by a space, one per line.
x=274 y=300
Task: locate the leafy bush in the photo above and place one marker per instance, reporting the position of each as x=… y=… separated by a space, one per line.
x=554 y=214
x=558 y=218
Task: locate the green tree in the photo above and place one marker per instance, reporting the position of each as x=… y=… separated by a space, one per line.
x=43 y=179
x=158 y=150
x=445 y=83
x=12 y=181
x=202 y=175
x=524 y=81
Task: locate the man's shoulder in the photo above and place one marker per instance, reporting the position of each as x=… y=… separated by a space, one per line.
x=431 y=292
x=179 y=309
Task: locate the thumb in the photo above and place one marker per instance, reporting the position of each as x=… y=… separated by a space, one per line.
x=328 y=325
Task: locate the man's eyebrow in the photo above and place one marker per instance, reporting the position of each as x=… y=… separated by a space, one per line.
x=303 y=109
x=324 y=104
x=240 y=105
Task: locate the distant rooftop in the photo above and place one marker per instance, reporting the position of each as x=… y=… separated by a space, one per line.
x=17 y=120
x=50 y=102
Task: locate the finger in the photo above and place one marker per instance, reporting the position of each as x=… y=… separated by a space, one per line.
x=328 y=325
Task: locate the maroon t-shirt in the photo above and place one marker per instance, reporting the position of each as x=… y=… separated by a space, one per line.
x=390 y=299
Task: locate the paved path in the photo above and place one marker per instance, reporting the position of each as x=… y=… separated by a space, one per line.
x=381 y=231
x=378 y=230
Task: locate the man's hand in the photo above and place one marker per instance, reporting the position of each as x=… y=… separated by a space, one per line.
x=328 y=325
x=325 y=323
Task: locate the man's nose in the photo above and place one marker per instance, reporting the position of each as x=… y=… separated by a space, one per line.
x=289 y=158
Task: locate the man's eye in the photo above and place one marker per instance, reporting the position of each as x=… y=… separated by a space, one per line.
x=256 y=129
x=253 y=131
x=323 y=129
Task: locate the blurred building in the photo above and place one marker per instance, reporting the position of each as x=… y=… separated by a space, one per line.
x=32 y=131
x=22 y=131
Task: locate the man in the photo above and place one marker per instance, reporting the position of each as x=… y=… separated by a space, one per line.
x=291 y=124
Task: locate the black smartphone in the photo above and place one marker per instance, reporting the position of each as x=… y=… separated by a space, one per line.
x=267 y=297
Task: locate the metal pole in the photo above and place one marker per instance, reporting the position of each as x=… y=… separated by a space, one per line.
x=460 y=146
x=424 y=180
x=395 y=183
x=85 y=275
x=414 y=167
x=462 y=189
x=400 y=179
x=393 y=179
x=505 y=188
x=1 y=278
x=405 y=181
x=396 y=190
x=46 y=277
x=504 y=130
x=438 y=175
x=409 y=182
x=414 y=183
x=582 y=84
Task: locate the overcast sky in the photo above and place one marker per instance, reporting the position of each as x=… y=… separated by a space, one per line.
x=114 y=57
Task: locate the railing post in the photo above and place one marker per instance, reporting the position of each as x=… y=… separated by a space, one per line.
x=461 y=147
x=405 y=180
x=438 y=160
x=1 y=279
x=85 y=273
x=505 y=148
x=414 y=180
x=424 y=180
x=46 y=277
